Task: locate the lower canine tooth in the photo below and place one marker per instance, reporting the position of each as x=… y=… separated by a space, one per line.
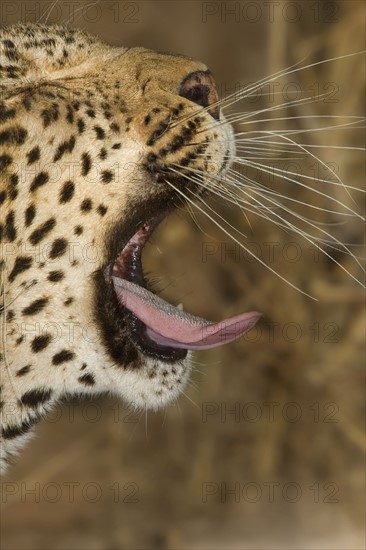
x=180 y=306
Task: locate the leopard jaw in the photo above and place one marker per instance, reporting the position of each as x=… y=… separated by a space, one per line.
x=77 y=131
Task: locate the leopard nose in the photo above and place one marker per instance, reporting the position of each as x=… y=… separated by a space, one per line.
x=200 y=88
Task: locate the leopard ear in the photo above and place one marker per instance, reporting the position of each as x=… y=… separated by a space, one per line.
x=200 y=88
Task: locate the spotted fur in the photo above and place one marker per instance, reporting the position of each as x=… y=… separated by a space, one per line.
x=85 y=133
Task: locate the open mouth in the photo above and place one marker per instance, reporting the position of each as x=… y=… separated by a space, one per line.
x=155 y=326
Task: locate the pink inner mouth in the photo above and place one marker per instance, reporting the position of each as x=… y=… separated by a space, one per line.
x=165 y=324
x=169 y=326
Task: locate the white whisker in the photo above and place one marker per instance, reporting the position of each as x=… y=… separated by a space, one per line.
x=248 y=251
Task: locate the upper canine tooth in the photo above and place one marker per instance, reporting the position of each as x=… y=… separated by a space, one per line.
x=180 y=306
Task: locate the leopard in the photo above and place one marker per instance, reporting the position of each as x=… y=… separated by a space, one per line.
x=96 y=141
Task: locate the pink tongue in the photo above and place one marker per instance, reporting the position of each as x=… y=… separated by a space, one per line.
x=169 y=326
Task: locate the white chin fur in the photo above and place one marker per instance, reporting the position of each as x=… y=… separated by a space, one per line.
x=155 y=385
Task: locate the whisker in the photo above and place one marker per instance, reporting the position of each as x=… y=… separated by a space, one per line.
x=309 y=222
x=279 y=107
x=282 y=133
x=191 y=400
x=310 y=238
x=272 y=169
x=48 y=12
x=293 y=69
x=291 y=199
x=299 y=117
x=304 y=144
x=248 y=251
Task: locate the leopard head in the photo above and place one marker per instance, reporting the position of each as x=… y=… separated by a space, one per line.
x=100 y=145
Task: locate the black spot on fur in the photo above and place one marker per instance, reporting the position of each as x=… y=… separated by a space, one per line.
x=55 y=276
x=102 y=210
x=69 y=301
x=116 y=146
x=10 y=315
x=35 y=307
x=107 y=176
x=39 y=343
x=13 y=71
x=41 y=231
x=81 y=125
x=161 y=129
x=5 y=161
x=103 y=153
x=70 y=114
x=11 y=432
x=13 y=136
x=58 y=248
x=9 y=45
x=29 y=215
x=23 y=370
x=50 y=115
x=10 y=231
x=99 y=132
x=13 y=183
x=2 y=196
x=87 y=379
x=6 y=114
x=33 y=398
x=62 y=357
x=65 y=147
x=86 y=205
x=67 y=191
x=151 y=158
x=39 y=180
x=34 y=155
x=22 y=263
x=78 y=230
x=86 y=164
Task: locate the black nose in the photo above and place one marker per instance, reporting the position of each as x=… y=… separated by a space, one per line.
x=200 y=88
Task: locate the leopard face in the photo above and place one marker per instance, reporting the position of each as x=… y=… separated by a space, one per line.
x=96 y=143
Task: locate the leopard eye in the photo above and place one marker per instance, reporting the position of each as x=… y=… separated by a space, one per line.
x=200 y=88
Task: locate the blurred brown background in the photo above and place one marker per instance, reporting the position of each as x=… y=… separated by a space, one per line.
x=292 y=453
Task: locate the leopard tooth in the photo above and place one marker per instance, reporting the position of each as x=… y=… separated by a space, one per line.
x=180 y=306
